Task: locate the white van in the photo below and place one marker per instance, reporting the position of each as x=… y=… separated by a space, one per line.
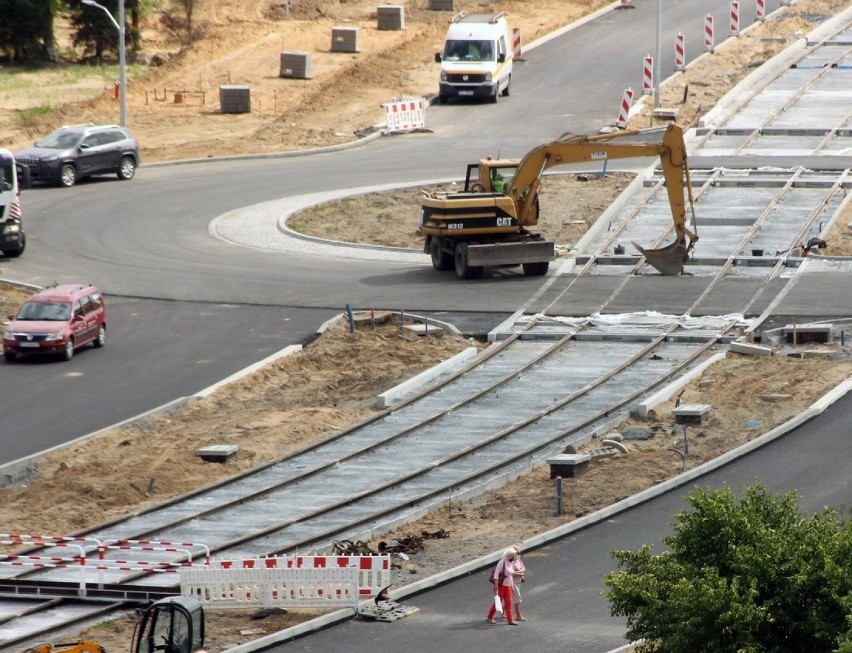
x=12 y=238
x=477 y=58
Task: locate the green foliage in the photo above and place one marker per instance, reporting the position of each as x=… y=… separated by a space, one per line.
x=32 y=112
x=96 y=33
x=26 y=30
x=747 y=574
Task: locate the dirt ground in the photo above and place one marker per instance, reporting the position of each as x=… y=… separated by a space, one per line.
x=268 y=414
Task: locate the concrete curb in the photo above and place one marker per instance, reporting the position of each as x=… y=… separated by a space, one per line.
x=642 y=409
x=389 y=397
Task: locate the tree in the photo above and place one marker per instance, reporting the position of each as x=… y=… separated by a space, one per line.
x=26 y=30
x=741 y=575
x=96 y=33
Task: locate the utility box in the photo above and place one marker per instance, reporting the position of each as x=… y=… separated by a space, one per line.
x=391 y=17
x=440 y=5
x=217 y=453
x=234 y=99
x=345 y=39
x=568 y=465
x=295 y=65
x=690 y=413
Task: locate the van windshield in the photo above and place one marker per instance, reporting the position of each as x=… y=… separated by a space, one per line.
x=48 y=311
x=469 y=51
x=5 y=176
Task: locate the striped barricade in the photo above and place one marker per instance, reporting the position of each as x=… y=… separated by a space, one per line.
x=373 y=572
x=277 y=587
x=406 y=114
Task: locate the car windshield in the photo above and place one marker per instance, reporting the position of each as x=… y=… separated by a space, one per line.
x=60 y=140
x=49 y=311
x=469 y=51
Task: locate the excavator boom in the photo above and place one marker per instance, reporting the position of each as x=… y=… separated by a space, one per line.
x=488 y=223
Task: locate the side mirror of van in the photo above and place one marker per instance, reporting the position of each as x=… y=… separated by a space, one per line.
x=437 y=57
x=501 y=57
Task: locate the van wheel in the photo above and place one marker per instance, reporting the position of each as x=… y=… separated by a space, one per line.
x=100 y=341
x=68 y=175
x=508 y=88
x=10 y=356
x=493 y=98
x=69 y=350
x=443 y=99
x=127 y=168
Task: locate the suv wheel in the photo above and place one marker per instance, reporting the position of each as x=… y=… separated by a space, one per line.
x=100 y=341
x=127 y=168
x=68 y=175
x=10 y=355
x=69 y=350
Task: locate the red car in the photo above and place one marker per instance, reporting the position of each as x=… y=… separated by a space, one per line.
x=57 y=320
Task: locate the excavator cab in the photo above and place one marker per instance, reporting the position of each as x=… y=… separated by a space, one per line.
x=171 y=625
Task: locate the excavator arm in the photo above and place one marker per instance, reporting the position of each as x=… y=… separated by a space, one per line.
x=671 y=149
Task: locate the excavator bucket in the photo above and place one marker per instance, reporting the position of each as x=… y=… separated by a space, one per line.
x=667 y=260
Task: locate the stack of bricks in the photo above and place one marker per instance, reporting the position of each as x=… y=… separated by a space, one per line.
x=296 y=65
x=391 y=17
x=345 y=39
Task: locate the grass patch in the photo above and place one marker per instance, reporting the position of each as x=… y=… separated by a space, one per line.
x=32 y=112
x=296 y=226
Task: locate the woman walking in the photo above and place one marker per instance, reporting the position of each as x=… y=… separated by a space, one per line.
x=503 y=580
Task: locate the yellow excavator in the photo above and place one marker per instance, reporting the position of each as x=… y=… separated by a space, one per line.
x=487 y=224
x=171 y=625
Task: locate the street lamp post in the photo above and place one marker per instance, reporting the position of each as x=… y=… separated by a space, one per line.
x=122 y=64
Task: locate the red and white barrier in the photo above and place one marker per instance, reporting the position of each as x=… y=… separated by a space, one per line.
x=285 y=588
x=760 y=10
x=373 y=571
x=287 y=581
x=516 y=43
x=405 y=115
x=680 y=52
x=648 y=75
x=708 y=34
x=624 y=112
x=735 y=18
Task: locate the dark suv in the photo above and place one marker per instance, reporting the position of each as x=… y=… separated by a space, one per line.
x=71 y=153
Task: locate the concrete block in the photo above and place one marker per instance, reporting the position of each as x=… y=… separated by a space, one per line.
x=417 y=383
x=217 y=453
x=420 y=329
x=750 y=349
x=690 y=413
x=568 y=465
x=440 y=5
x=798 y=334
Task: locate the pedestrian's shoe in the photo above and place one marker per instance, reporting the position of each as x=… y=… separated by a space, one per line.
x=513 y=623
x=491 y=621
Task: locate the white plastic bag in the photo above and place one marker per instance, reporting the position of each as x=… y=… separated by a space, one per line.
x=498 y=604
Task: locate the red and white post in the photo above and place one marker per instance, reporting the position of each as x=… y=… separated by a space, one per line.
x=648 y=75
x=735 y=18
x=680 y=52
x=760 y=10
x=708 y=34
x=516 y=43
x=624 y=112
